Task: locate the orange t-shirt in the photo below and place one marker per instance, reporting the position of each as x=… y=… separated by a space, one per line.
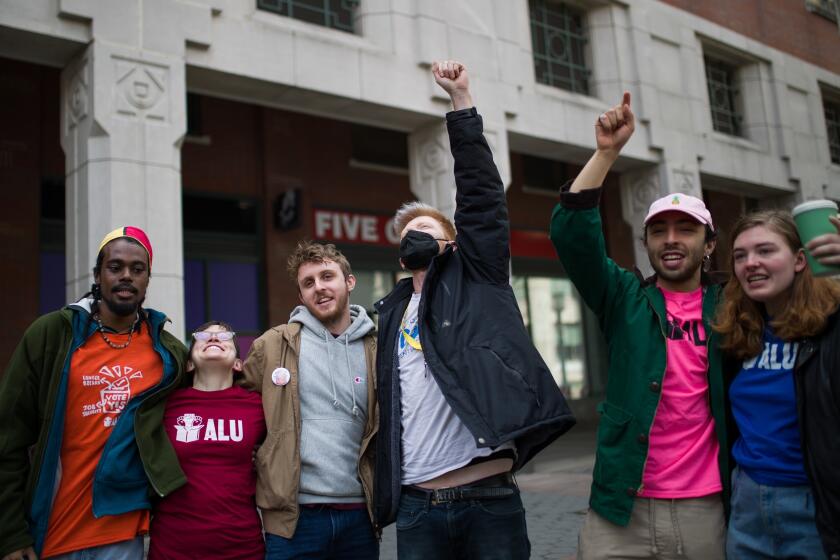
x=101 y=382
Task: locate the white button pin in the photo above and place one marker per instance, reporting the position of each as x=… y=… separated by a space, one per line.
x=280 y=376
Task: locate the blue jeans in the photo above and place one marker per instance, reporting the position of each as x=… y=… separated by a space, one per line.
x=769 y=522
x=324 y=533
x=486 y=529
x=131 y=549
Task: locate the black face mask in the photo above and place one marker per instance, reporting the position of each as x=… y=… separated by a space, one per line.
x=417 y=249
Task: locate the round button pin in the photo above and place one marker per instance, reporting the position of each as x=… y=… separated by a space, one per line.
x=280 y=376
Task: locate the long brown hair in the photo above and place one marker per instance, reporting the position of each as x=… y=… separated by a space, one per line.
x=740 y=320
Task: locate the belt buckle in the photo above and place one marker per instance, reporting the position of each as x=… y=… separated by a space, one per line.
x=445 y=495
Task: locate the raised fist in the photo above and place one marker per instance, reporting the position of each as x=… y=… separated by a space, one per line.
x=452 y=77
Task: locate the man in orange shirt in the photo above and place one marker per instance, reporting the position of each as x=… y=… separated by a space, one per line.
x=81 y=438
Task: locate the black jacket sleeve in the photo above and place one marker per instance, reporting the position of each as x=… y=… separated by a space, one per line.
x=481 y=215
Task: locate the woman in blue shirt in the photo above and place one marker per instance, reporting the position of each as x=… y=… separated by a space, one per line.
x=786 y=493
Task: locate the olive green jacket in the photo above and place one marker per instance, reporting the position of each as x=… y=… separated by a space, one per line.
x=631 y=314
x=32 y=406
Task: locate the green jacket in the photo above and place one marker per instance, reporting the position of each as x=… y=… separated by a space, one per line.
x=32 y=406
x=631 y=313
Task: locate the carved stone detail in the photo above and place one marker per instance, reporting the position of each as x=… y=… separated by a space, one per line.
x=643 y=189
x=78 y=96
x=684 y=182
x=432 y=180
x=141 y=90
x=433 y=158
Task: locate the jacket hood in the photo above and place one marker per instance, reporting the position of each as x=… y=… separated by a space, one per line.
x=360 y=323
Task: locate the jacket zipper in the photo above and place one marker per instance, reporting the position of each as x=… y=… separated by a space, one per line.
x=395 y=444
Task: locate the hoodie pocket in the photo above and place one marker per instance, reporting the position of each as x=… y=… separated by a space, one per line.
x=278 y=471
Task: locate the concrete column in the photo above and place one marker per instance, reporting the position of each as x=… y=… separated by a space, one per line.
x=432 y=166
x=639 y=188
x=123 y=120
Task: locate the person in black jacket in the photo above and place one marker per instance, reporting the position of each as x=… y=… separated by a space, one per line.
x=465 y=399
x=780 y=330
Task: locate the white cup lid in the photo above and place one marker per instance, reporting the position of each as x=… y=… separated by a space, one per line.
x=813 y=205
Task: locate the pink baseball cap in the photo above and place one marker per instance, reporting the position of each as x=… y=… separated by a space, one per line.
x=679 y=202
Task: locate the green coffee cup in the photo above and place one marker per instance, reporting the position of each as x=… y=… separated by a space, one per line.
x=812 y=220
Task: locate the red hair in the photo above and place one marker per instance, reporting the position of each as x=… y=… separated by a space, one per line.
x=740 y=320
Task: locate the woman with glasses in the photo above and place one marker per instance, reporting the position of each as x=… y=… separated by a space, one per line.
x=214 y=426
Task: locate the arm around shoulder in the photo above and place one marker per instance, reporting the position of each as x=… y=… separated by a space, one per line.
x=254 y=366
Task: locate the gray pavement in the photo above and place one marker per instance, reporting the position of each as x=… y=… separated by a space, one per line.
x=555 y=491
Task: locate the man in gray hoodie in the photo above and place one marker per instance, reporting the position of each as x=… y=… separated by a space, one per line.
x=315 y=469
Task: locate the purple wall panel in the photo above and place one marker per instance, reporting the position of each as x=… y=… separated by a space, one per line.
x=51 y=288
x=194 y=294
x=234 y=294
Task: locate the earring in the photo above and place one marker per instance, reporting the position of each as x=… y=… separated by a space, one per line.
x=96 y=291
x=707 y=263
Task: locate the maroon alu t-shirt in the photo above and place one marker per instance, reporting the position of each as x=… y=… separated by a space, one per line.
x=214 y=515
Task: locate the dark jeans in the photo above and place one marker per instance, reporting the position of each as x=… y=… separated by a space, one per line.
x=485 y=529
x=324 y=533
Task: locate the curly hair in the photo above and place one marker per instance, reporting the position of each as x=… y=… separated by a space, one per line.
x=314 y=252
x=740 y=320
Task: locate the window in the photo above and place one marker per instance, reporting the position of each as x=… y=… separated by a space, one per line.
x=335 y=14
x=832 y=124
x=543 y=175
x=558 y=38
x=222 y=264
x=51 y=289
x=379 y=148
x=194 y=120
x=226 y=291
x=372 y=285
x=829 y=9
x=552 y=312
x=723 y=96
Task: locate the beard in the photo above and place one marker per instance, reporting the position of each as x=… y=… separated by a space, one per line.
x=121 y=309
x=693 y=261
x=342 y=300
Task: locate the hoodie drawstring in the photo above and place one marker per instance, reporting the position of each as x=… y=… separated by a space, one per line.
x=350 y=371
x=355 y=410
x=332 y=374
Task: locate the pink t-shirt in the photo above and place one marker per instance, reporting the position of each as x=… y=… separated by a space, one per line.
x=683 y=454
x=214 y=515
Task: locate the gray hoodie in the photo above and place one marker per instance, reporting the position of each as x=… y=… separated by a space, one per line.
x=332 y=385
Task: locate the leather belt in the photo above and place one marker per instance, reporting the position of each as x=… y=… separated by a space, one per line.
x=493 y=487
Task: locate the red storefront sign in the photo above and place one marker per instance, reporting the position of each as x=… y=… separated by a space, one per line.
x=344 y=226
x=530 y=243
x=358 y=228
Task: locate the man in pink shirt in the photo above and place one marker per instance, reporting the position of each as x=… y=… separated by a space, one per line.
x=661 y=477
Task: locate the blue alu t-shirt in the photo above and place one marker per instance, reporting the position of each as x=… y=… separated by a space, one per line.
x=764 y=406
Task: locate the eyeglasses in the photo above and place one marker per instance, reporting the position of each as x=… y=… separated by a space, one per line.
x=204 y=336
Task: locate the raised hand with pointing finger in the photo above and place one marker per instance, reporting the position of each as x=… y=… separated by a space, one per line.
x=613 y=128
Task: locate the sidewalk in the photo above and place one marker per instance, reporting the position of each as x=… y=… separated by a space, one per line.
x=555 y=491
